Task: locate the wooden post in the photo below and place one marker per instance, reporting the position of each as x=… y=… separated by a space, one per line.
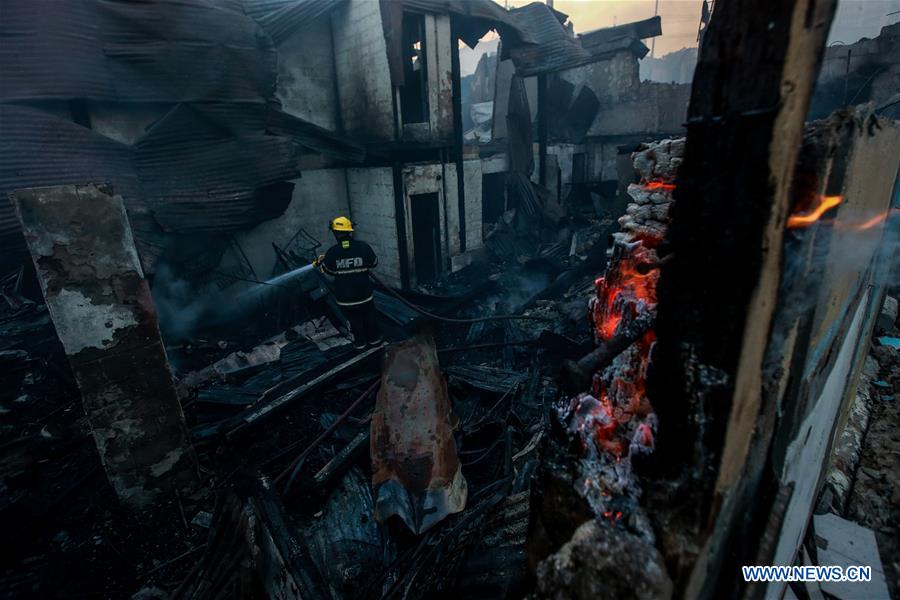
x=750 y=95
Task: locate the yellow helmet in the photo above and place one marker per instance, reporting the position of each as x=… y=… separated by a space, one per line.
x=341 y=224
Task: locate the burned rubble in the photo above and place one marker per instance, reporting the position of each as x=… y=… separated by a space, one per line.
x=636 y=335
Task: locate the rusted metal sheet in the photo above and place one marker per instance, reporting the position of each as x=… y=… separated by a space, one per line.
x=100 y=303
x=417 y=474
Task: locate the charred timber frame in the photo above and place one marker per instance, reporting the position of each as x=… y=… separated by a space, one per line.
x=717 y=296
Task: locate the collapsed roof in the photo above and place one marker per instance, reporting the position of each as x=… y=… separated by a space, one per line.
x=212 y=141
x=557 y=48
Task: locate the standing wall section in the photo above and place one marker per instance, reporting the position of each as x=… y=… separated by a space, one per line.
x=372 y=210
x=307 y=79
x=319 y=196
x=364 y=81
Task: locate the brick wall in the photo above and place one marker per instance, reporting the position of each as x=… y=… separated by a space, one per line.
x=307 y=85
x=472 y=181
x=364 y=81
x=319 y=196
x=371 y=194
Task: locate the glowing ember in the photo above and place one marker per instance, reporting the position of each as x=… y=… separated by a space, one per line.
x=806 y=219
x=624 y=291
x=614 y=421
x=659 y=185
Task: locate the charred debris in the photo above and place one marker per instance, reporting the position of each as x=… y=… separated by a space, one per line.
x=616 y=311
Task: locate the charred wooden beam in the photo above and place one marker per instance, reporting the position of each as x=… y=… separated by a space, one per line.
x=269 y=405
x=577 y=375
x=252 y=552
x=750 y=95
x=335 y=468
x=91 y=277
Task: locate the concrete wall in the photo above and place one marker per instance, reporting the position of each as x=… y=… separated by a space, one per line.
x=472 y=181
x=438 y=58
x=371 y=195
x=107 y=324
x=307 y=82
x=675 y=67
x=364 y=81
x=610 y=80
x=498 y=163
x=439 y=45
x=318 y=197
x=881 y=50
x=654 y=108
x=367 y=196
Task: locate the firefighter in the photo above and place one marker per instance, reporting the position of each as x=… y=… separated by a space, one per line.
x=348 y=262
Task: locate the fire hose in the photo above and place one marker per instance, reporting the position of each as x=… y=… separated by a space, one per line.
x=431 y=315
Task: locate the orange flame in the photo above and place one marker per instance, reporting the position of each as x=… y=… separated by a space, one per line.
x=659 y=185
x=613 y=304
x=868 y=223
x=826 y=203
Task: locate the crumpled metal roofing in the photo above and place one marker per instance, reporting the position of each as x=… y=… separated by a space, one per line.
x=557 y=49
x=198 y=177
x=125 y=51
x=215 y=162
x=636 y=30
x=282 y=18
x=39 y=149
x=481 y=15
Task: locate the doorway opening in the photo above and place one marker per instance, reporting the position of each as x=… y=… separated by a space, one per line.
x=426 y=230
x=493 y=197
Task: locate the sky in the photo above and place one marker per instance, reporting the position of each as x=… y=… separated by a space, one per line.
x=680 y=19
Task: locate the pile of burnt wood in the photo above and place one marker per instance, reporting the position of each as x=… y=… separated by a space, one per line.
x=465 y=478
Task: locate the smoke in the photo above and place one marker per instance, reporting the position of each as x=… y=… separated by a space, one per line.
x=830 y=258
x=181 y=306
x=520 y=286
x=184 y=308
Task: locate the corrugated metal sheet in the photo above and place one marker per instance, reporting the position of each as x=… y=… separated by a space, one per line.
x=416 y=473
x=313 y=137
x=40 y=149
x=51 y=51
x=245 y=118
x=636 y=30
x=555 y=49
x=117 y=50
x=482 y=14
x=282 y=18
x=217 y=160
x=198 y=177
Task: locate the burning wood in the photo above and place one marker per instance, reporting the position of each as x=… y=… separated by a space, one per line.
x=815 y=214
x=417 y=474
x=614 y=420
x=807 y=218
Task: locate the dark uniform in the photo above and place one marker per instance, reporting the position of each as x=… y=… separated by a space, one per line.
x=349 y=262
